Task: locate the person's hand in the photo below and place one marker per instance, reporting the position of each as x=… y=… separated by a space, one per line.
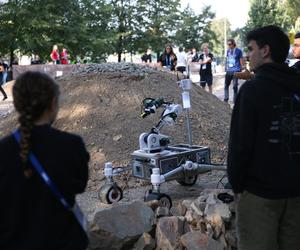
x=245 y=75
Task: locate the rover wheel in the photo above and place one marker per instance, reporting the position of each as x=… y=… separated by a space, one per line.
x=164 y=200
x=110 y=193
x=188 y=180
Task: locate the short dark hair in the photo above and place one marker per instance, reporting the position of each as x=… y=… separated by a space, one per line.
x=275 y=38
x=180 y=49
x=297 y=35
x=231 y=41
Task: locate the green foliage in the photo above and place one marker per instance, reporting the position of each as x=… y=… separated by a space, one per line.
x=293 y=9
x=158 y=20
x=193 y=30
x=293 y=12
x=219 y=26
x=97 y=28
x=267 y=12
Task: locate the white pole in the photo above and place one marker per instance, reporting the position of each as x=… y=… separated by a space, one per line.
x=225 y=36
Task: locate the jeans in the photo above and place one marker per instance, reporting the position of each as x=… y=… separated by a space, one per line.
x=228 y=78
x=4 y=77
x=265 y=224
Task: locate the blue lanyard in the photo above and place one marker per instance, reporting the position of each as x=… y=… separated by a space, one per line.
x=168 y=60
x=39 y=168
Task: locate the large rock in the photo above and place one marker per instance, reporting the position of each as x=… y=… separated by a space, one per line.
x=220 y=209
x=199 y=241
x=168 y=233
x=145 y=242
x=120 y=226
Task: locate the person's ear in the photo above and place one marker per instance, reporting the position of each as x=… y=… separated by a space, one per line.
x=266 y=52
x=54 y=104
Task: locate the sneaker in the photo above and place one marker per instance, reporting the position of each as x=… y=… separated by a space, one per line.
x=4 y=98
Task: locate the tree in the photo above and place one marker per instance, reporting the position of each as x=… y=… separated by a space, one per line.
x=220 y=26
x=193 y=30
x=100 y=31
x=159 y=19
x=293 y=8
x=293 y=11
x=34 y=26
x=266 y=12
x=12 y=22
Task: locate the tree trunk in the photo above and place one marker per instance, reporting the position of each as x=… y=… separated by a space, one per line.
x=11 y=57
x=157 y=56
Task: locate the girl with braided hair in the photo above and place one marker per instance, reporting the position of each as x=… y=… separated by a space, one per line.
x=31 y=216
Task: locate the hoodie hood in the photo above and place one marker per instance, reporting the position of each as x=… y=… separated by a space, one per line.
x=279 y=74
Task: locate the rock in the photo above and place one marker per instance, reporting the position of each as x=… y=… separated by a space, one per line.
x=199 y=241
x=187 y=203
x=145 y=242
x=153 y=204
x=118 y=226
x=117 y=137
x=189 y=217
x=161 y=212
x=221 y=209
x=211 y=199
x=214 y=220
x=168 y=232
x=202 y=198
x=196 y=207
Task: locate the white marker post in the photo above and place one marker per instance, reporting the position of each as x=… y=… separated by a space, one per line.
x=186 y=85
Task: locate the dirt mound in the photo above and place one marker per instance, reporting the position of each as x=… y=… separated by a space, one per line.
x=104 y=108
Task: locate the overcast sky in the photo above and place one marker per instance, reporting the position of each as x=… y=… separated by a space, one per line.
x=235 y=10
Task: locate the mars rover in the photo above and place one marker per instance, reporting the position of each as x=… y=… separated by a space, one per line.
x=156 y=160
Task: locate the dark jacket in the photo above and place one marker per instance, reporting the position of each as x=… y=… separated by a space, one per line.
x=297 y=66
x=168 y=60
x=206 y=70
x=264 y=145
x=31 y=216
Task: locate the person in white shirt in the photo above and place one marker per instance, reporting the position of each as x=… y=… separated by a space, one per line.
x=181 y=61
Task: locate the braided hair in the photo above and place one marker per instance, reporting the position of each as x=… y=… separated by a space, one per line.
x=33 y=93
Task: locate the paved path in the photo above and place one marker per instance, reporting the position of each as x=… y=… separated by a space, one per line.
x=218 y=85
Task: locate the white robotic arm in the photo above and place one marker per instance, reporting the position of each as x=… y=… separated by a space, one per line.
x=155 y=141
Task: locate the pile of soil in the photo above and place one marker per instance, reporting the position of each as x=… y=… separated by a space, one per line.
x=104 y=107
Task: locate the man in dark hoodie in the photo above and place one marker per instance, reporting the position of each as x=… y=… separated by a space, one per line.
x=264 y=147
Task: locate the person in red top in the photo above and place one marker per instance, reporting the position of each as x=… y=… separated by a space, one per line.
x=55 y=55
x=64 y=57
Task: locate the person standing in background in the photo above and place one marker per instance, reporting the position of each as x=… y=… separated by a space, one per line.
x=64 y=56
x=3 y=71
x=181 y=61
x=147 y=58
x=195 y=56
x=205 y=60
x=168 y=59
x=55 y=55
x=234 y=63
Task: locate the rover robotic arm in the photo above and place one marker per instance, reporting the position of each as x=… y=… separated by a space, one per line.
x=154 y=141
